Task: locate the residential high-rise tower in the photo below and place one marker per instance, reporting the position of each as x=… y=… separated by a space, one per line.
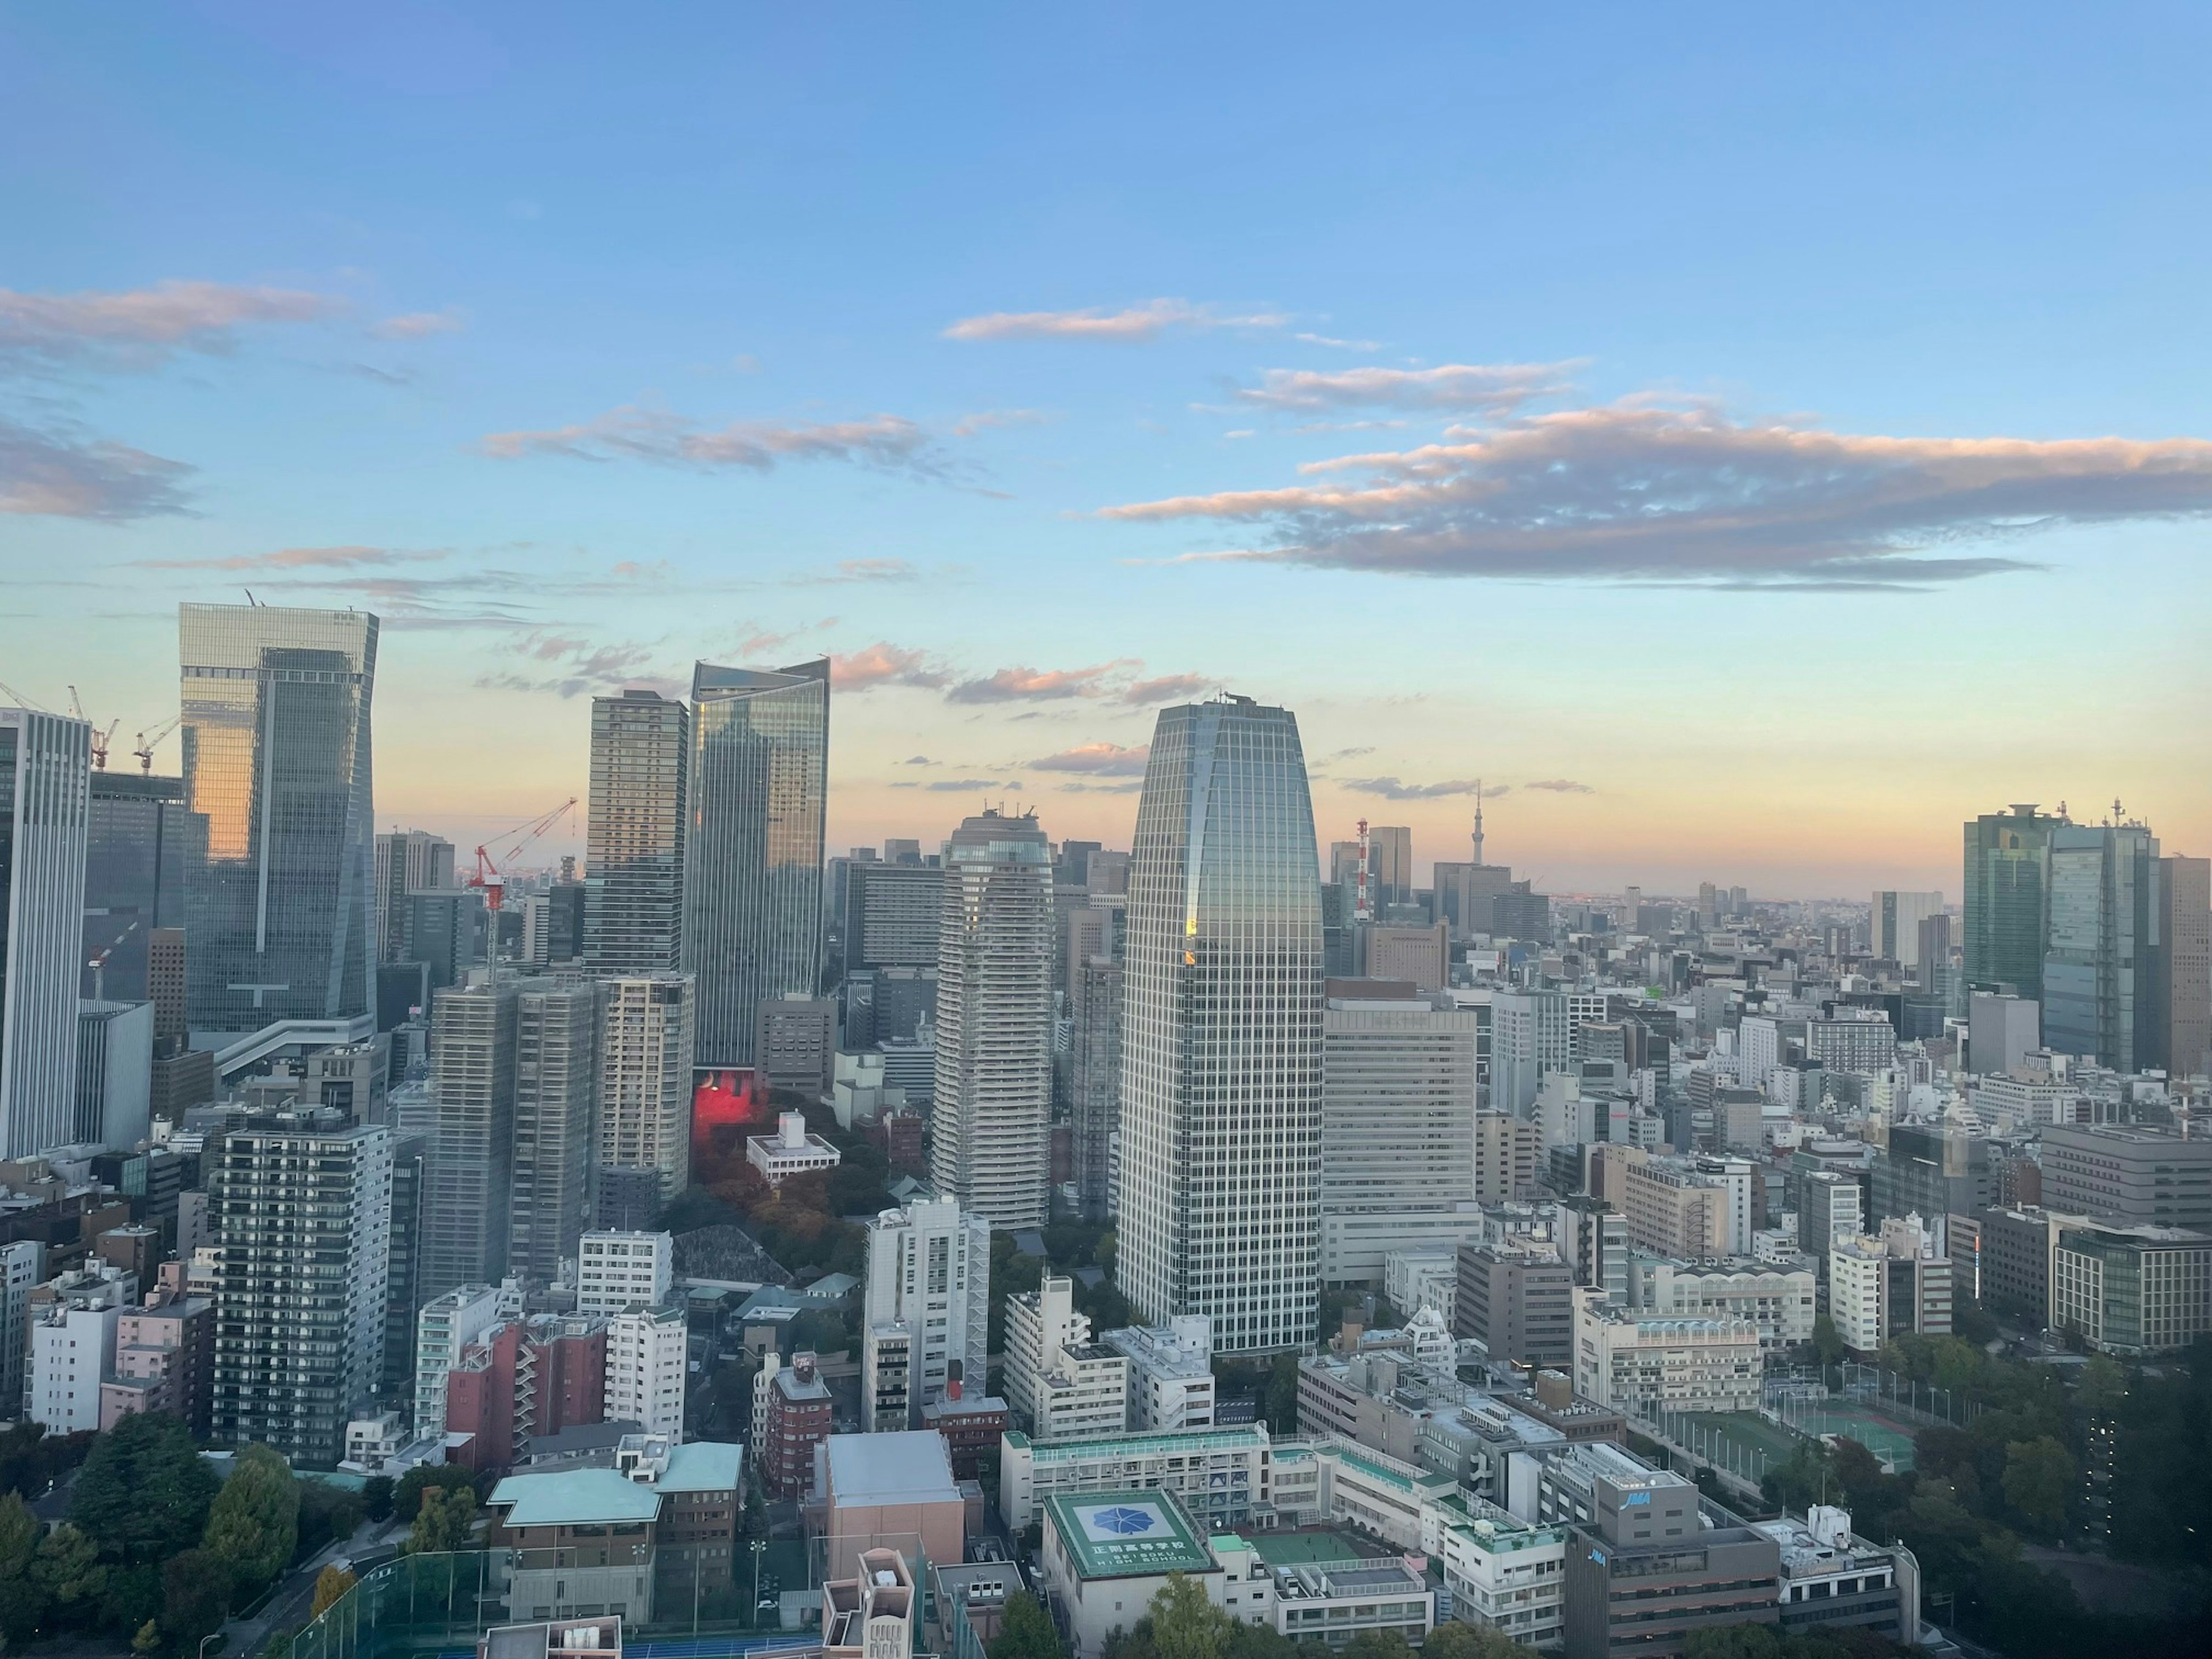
x=994 y=1018
x=1221 y=1033
x=634 y=841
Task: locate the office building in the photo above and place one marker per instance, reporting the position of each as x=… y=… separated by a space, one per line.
x=1674 y=1209
x=2001 y=1032
x=303 y=1207
x=114 y=1074
x=1061 y=1384
x=1779 y=1300
x=647 y=1348
x=2183 y=960
x=556 y=1087
x=1218 y=1475
x=1171 y=1383
x=2100 y=960
x=893 y=915
x=994 y=1021
x=470 y=1206
x=1517 y=1300
x=407 y=861
x=633 y=836
x=46 y=763
x=2135 y=1173
x=279 y=892
x=410 y=1186
x=1593 y=1241
x=926 y=1317
x=2007 y=899
x=1221 y=1039
x=1831 y=1206
x=2133 y=1290
x=1893 y=926
x=1640 y=1363
x=72 y=1348
x=752 y=853
x=1421 y=956
x=1932 y=1169
x=1466 y=896
x=1507 y=1150
x=1094 y=1064
x=619 y=1270
x=1645 y=1571
x=1879 y=1287
x=134 y=880
x=1390 y=855
x=646 y=1053
x=795 y=1048
x=1398 y=1092
x=1529 y=1036
x=1865 y=1044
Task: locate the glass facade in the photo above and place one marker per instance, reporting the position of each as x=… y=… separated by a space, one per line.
x=634 y=848
x=278 y=883
x=1221 y=1041
x=2099 y=968
x=2006 y=863
x=133 y=880
x=752 y=882
x=45 y=763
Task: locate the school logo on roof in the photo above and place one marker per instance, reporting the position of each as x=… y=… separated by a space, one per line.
x=1119 y=1520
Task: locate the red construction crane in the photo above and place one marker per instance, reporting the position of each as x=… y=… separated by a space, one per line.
x=511 y=844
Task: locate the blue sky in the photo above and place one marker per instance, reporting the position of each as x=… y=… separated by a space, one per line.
x=1783 y=436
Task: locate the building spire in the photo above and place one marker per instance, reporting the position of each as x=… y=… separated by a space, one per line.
x=1478 y=820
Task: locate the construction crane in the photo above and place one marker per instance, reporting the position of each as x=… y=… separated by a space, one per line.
x=488 y=876
x=99 y=739
x=145 y=749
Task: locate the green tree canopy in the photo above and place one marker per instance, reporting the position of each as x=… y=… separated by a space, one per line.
x=376 y=1497
x=446 y=1521
x=66 y=1571
x=2039 y=1481
x=407 y=1501
x=145 y=1490
x=22 y=1603
x=195 y=1596
x=1026 y=1631
x=253 y=1525
x=330 y=1583
x=1185 y=1625
x=1455 y=1639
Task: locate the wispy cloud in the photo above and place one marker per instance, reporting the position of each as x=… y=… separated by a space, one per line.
x=419 y=325
x=1459 y=387
x=635 y=432
x=1392 y=789
x=1124 y=786
x=859 y=570
x=1130 y=325
x=1640 y=492
x=569 y=666
x=139 y=328
x=957 y=786
x=1106 y=759
x=1338 y=345
x=1167 y=687
x=1037 y=684
x=886 y=664
x=1556 y=785
x=994 y=420
x=298 y=558
x=56 y=471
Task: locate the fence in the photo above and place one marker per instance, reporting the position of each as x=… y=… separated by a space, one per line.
x=1712 y=1439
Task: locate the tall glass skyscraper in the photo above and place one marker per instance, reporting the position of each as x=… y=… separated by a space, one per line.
x=2100 y=970
x=2008 y=914
x=634 y=845
x=752 y=857
x=278 y=883
x=994 y=1017
x=46 y=763
x=1221 y=1038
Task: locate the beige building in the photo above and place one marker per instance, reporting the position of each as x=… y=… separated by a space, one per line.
x=1640 y=1365
x=1506 y=1151
x=1420 y=956
x=1672 y=1212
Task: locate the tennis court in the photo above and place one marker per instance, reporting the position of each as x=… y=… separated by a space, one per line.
x=1888 y=1440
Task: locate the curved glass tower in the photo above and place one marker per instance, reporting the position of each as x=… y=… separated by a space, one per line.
x=278 y=880
x=1221 y=1035
x=752 y=870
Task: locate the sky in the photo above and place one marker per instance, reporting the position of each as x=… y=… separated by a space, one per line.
x=1747 y=442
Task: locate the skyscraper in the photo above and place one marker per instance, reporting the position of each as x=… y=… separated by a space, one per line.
x=134 y=879
x=1391 y=848
x=2006 y=910
x=646 y=1050
x=557 y=1085
x=994 y=1017
x=634 y=842
x=2185 y=965
x=2101 y=964
x=1894 y=924
x=277 y=767
x=1221 y=1031
x=303 y=1203
x=407 y=861
x=471 y=1171
x=753 y=869
x=46 y=763
x=1094 y=995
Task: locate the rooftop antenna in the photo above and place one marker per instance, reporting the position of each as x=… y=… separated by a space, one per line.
x=250 y=599
x=1478 y=820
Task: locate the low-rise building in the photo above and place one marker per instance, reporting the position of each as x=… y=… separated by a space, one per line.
x=2138 y=1289
x=1645 y=1569
x=1506 y=1574
x=871 y=1614
x=1061 y=1384
x=1107 y=1555
x=1171 y=1382
x=1779 y=1300
x=1413 y=1279
x=1643 y=1366
x=648 y=1350
x=1222 y=1475
x=619 y=1270
x=702 y=1485
x=73 y=1350
x=164 y=1359
x=1831 y=1576
x=1517 y=1301
x=797 y=1419
x=790 y=1151
x=1326 y=1590
x=972 y=1427
x=895 y=1491
x=583 y=1538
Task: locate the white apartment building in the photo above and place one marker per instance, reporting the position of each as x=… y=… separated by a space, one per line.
x=1506 y=1574
x=446 y=1325
x=1066 y=1386
x=1170 y=1372
x=1220 y=1475
x=1640 y=1365
x=1858 y=1270
x=647 y=1348
x=619 y=1270
x=72 y=1347
x=1529 y=1036
x=927 y=1310
x=1415 y=1280
x=1778 y=1299
x=647 y=1039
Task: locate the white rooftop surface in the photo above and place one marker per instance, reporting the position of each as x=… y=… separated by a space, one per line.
x=912 y=1466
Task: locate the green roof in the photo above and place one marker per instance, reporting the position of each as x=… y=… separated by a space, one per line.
x=1290 y=1549
x=703 y=1465
x=574 y=1497
x=1125 y=1535
x=1397 y=1477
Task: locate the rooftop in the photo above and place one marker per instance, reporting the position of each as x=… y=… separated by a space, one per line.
x=1128 y=1534
x=1179 y=1442
x=911 y=1466
x=574 y=1498
x=703 y=1465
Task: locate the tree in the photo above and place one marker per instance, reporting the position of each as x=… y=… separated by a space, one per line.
x=328 y=1514
x=145 y=1490
x=66 y=1571
x=1455 y=1639
x=407 y=1501
x=195 y=1596
x=2103 y=1386
x=1025 y=1631
x=332 y=1582
x=1378 y=1644
x=1281 y=1405
x=1185 y=1625
x=278 y=1646
x=1828 y=1342
x=376 y=1497
x=31 y=1459
x=22 y=1603
x=253 y=1525
x=1733 y=1642
x=446 y=1521
x=2038 y=1479
x=132 y=1596
x=148 y=1638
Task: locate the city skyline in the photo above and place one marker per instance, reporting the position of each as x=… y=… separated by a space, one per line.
x=1124 y=429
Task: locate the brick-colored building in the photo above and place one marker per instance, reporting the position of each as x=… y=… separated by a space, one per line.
x=798 y=1420
x=164 y=1361
x=971 y=1426
x=523 y=1377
